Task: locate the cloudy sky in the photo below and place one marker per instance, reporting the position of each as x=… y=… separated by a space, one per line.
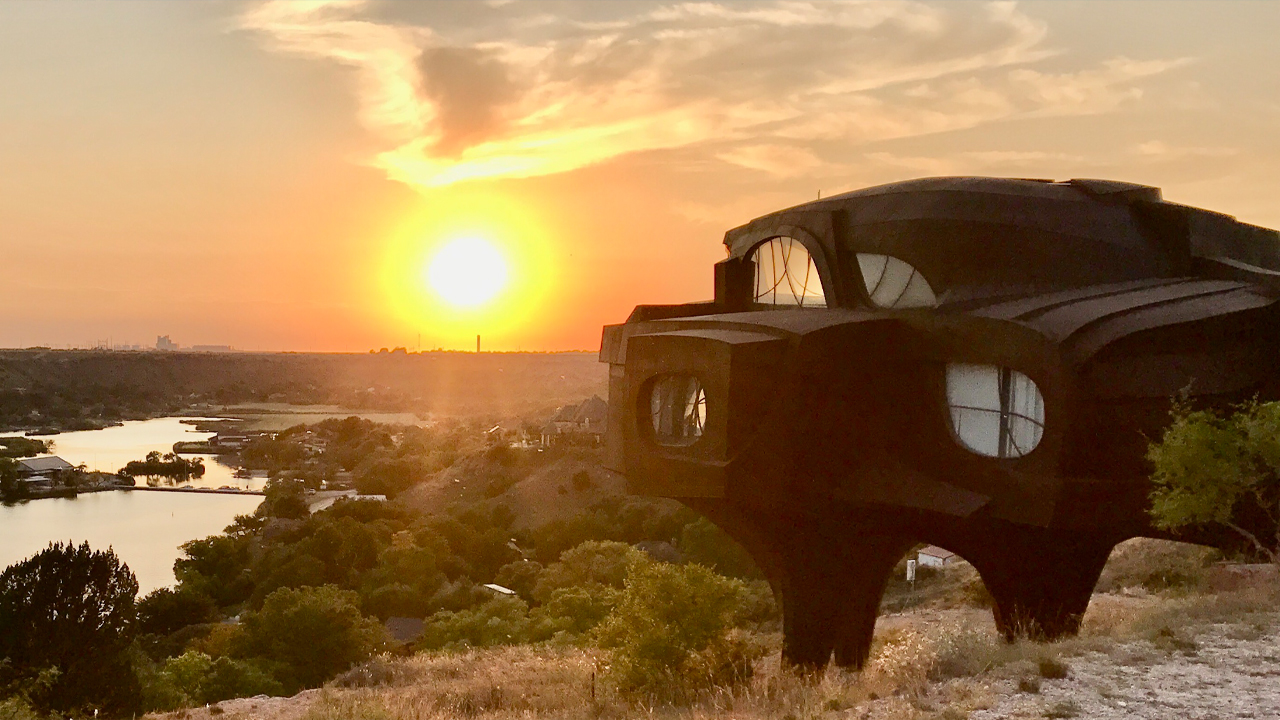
x=278 y=175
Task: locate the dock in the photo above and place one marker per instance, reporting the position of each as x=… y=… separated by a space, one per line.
x=203 y=491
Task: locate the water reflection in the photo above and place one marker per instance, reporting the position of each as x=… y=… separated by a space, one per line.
x=145 y=528
x=109 y=449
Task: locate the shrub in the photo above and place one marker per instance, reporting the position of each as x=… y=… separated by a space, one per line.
x=574 y=610
x=669 y=629
x=1155 y=565
x=909 y=659
x=194 y=678
x=601 y=562
x=17 y=709
x=313 y=633
x=501 y=621
x=703 y=542
x=581 y=481
x=1052 y=668
x=521 y=576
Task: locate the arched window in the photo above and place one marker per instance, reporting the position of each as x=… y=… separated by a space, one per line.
x=893 y=283
x=787 y=275
x=995 y=411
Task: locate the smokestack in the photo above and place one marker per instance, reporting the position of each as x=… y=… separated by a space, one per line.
x=477 y=343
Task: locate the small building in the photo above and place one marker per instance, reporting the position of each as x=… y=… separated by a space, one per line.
x=45 y=466
x=499 y=589
x=936 y=557
x=229 y=441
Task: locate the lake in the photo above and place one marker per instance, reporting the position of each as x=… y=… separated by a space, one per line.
x=145 y=528
x=109 y=449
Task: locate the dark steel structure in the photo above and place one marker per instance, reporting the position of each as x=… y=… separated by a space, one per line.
x=975 y=363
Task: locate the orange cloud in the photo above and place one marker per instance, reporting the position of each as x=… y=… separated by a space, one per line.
x=518 y=93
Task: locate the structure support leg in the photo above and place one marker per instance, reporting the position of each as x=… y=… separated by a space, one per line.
x=1041 y=582
x=827 y=576
x=831 y=597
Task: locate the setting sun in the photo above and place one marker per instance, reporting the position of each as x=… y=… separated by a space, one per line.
x=467 y=272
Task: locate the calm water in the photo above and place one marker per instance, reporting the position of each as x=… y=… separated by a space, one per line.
x=145 y=528
x=109 y=449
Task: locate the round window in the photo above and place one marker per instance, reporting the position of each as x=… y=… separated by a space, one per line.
x=995 y=411
x=677 y=409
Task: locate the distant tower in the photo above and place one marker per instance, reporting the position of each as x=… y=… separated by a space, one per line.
x=477 y=343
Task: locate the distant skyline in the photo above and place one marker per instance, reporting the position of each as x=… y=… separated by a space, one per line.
x=278 y=176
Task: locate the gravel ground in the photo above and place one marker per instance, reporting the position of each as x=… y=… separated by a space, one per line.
x=1224 y=674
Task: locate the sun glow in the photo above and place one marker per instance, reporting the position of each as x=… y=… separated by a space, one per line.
x=467 y=272
x=469 y=263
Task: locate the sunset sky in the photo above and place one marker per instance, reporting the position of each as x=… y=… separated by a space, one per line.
x=279 y=176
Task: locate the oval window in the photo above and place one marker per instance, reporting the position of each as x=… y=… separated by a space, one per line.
x=677 y=409
x=787 y=275
x=995 y=411
x=893 y=283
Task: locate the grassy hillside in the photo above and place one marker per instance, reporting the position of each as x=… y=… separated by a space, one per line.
x=1204 y=647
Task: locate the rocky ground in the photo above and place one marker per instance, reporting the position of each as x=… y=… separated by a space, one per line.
x=1228 y=671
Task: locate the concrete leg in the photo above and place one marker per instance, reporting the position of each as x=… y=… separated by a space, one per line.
x=828 y=577
x=1041 y=581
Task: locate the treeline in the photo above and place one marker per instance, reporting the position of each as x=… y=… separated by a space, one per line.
x=169 y=466
x=376 y=458
x=72 y=390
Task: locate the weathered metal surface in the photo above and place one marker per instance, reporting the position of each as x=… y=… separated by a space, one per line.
x=828 y=440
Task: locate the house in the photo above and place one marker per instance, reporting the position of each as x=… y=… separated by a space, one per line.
x=936 y=557
x=584 y=419
x=229 y=441
x=45 y=466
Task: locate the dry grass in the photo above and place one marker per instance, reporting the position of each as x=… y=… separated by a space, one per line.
x=927 y=664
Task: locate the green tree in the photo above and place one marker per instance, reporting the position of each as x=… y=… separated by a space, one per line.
x=167 y=610
x=19 y=446
x=10 y=488
x=601 y=562
x=195 y=678
x=665 y=623
x=1216 y=469
x=67 y=615
x=503 y=620
x=217 y=566
x=169 y=465
x=284 y=499
x=312 y=632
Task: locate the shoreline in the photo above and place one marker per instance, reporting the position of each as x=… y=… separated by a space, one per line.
x=64 y=494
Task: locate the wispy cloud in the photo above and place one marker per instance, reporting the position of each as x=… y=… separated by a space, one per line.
x=519 y=92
